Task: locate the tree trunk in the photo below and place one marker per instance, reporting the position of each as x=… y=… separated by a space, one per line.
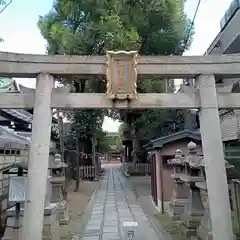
x=136 y=145
x=77 y=163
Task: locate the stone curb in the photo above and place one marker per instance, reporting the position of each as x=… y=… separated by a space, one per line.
x=124 y=173
x=87 y=212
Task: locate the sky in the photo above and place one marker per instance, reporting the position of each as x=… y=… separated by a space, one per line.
x=18 y=28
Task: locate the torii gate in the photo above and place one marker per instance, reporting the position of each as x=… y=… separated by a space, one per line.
x=122 y=70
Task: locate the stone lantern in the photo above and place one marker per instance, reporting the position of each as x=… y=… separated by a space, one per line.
x=194 y=208
x=56 y=167
x=180 y=192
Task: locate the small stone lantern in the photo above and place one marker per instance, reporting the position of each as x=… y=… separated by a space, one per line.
x=177 y=162
x=57 y=181
x=194 y=208
x=180 y=193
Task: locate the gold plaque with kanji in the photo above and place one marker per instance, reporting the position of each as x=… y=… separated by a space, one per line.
x=121 y=74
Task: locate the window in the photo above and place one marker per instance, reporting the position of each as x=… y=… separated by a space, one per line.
x=10 y=152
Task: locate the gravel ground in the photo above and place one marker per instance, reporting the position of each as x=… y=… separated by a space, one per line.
x=77 y=203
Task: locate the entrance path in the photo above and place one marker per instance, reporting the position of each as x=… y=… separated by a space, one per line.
x=115 y=203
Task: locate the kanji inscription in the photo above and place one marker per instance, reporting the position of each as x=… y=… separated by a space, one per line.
x=121 y=74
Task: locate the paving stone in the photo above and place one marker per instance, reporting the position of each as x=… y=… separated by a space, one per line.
x=110 y=236
x=110 y=223
x=112 y=208
x=96 y=217
x=91 y=238
x=110 y=229
x=76 y=238
x=91 y=232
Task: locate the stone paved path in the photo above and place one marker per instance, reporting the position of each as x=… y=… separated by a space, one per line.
x=114 y=205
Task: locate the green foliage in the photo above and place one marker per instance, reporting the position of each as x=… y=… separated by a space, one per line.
x=159 y=122
x=91 y=27
x=123 y=126
x=87 y=122
x=87 y=27
x=109 y=142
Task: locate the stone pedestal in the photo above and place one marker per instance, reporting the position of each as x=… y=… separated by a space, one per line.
x=128 y=230
x=50 y=224
x=204 y=232
x=57 y=189
x=179 y=199
x=193 y=212
x=57 y=197
x=63 y=215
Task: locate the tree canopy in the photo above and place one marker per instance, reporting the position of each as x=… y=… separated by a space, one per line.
x=87 y=27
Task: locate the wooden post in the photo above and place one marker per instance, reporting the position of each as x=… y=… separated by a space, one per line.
x=235 y=194
x=94 y=155
x=159 y=176
x=214 y=160
x=161 y=184
x=38 y=159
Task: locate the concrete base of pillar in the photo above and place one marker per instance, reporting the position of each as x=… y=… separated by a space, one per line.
x=50 y=224
x=62 y=212
x=176 y=208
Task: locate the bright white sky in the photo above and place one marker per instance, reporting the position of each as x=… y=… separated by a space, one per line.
x=18 y=28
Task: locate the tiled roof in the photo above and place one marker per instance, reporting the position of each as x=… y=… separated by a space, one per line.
x=159 y=142
x=21 y=114
x=9 y=136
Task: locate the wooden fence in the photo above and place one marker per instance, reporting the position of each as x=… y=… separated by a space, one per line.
x=143 y=168
x=88 y=172
x=138 y=168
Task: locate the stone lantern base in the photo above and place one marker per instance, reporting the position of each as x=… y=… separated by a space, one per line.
x=176 y=208
x=193 y=212
x=62 y=213
x=190 y=224
x=50 y=224
x=57 y=197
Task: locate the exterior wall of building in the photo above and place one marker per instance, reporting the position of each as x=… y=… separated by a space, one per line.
x=168 y=183
x=229 y=126
x=170 y=149
x=228 y=40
